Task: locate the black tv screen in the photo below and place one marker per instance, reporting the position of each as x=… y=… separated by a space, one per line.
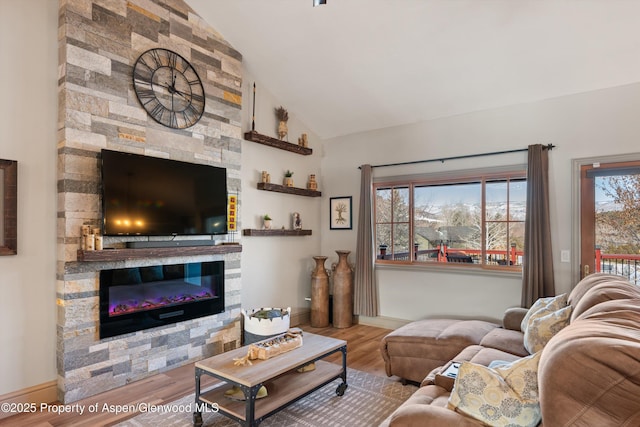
x=150 y=196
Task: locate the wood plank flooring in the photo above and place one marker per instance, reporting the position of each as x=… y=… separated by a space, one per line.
x=362 y=354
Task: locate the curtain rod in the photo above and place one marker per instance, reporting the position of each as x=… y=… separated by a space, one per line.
x=467 y=156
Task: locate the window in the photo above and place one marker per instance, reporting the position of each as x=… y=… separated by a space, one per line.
x=473 y=220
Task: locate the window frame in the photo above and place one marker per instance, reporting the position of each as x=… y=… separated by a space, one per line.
x=481 y=176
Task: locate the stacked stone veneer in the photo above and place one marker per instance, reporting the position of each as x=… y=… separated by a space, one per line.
x=99 y=42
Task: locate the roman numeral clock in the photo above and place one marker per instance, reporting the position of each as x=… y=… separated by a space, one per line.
x=168 y=88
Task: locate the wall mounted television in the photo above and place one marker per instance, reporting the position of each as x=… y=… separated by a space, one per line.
x=150 y=196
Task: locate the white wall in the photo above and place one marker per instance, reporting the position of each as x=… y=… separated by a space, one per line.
x=598 y=123
x=28 y=121
x=276 y=271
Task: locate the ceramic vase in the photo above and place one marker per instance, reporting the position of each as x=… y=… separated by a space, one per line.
x=283 y=129
x=312 y=184
x=342 y=292
x=319 y=294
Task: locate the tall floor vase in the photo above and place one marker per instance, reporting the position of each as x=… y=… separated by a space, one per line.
x=342 y=292
x=319 y=294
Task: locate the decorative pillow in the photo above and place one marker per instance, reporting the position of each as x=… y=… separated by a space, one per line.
x=543 y=326
x=504 y=396
x=548 y=305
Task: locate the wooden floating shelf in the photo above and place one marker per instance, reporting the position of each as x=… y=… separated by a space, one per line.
x=267 y=186
x=275 y=232
x=254 y=136
x=129 y=254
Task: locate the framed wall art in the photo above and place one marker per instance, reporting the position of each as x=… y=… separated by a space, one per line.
x=8 y=207
x=340 y=216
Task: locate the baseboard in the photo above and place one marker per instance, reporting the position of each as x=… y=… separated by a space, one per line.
x=382 y=322
x=300 y=316
x=41 y=393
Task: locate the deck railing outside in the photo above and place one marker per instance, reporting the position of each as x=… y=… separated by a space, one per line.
x=627 y=265
x=443 y=253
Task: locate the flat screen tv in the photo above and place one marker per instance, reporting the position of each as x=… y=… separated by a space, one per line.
x=150 y=196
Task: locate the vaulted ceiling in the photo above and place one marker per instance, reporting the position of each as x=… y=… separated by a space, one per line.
x=357 y=65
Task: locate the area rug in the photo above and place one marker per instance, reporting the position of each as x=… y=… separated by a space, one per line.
x=367 y=402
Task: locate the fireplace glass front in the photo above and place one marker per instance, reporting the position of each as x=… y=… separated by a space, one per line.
x=133 y=299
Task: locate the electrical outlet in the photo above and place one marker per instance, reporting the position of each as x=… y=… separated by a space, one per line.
x=565 y=256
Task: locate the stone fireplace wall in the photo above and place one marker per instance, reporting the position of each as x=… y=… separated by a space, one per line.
x=99 y=41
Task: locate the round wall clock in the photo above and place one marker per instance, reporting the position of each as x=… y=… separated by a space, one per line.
x=169 y=88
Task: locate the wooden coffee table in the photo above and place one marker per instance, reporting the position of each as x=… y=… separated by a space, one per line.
x=284 y=384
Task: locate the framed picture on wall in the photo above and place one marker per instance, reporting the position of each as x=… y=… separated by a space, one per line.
x=340 y=216
x=8 y=207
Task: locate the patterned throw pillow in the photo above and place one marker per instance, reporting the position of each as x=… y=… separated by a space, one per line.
x=544 y=306
x=504 y=396
x=543 y=326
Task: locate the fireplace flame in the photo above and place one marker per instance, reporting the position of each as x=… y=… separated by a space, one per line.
x=133 y=306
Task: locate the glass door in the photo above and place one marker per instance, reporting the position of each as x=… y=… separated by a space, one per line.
x=610 y=219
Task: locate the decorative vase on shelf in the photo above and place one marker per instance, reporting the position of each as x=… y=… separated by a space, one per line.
x=303 y=141
x=283 y=129
x=342 y=292
x=283 y=116
x=288 y=179
x=266 y=222
x=312 y=184
x=319 y=294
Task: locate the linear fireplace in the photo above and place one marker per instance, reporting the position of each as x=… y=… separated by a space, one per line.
x=133 y=299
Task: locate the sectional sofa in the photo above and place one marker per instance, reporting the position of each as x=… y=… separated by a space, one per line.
x=569 y=360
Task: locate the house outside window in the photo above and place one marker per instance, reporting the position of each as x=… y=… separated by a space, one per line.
x=475 y=220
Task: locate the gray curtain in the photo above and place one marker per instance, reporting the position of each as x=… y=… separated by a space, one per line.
x=365 y=292
x=537 y=269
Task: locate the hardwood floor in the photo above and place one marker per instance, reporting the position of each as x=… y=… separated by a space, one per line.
x=362 y=346
x=362 y=354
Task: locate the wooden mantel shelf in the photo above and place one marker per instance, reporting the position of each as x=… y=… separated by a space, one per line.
x=129 y=254
x=254 y=136
x=275 y=232
x=267 y=186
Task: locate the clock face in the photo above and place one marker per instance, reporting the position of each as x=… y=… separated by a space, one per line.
x=169 y=88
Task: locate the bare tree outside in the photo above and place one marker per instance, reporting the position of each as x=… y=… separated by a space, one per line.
x=451 y=215
x=618 y=214
x=392 y=218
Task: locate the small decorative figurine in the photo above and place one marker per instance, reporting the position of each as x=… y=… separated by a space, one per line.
x=297 y=221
